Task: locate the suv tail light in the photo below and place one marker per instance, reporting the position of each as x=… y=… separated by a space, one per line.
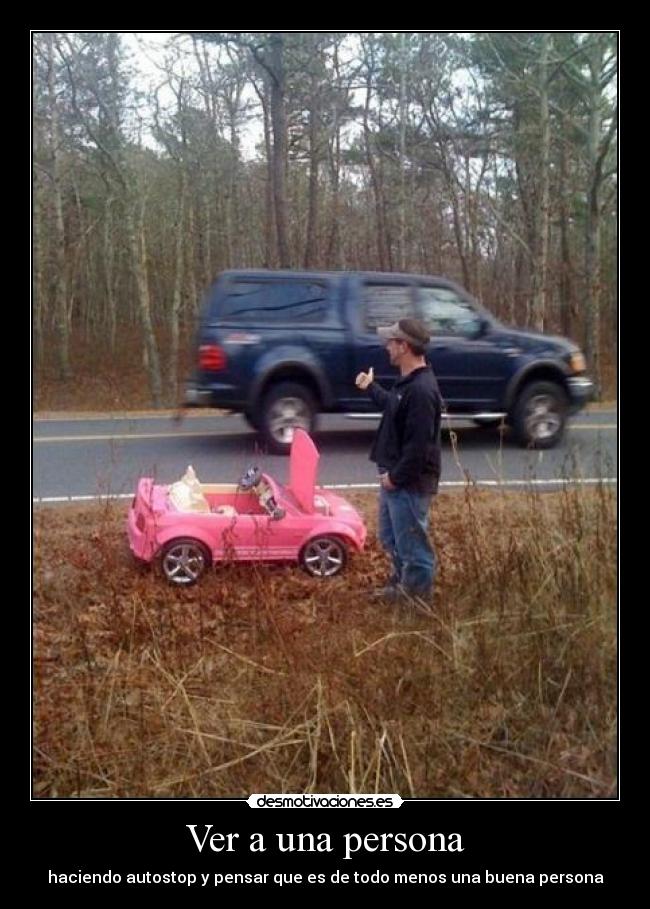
x=212 y=357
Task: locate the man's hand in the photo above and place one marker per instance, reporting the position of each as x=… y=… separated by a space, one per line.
x=386 y=482
x=364 y=379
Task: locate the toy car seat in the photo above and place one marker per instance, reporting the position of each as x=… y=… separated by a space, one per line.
x=187 y=495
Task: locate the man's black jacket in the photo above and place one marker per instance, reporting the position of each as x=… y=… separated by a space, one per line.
x=407 y=443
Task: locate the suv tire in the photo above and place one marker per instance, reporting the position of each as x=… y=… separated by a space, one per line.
x=285 y=407
x=251 y=419
x=539 y=415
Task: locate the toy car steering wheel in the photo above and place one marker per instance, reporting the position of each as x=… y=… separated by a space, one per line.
x=251 y=478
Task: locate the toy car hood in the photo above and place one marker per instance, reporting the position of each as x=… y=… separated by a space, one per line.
x=303 y=469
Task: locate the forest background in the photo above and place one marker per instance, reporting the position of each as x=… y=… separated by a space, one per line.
x=160 y=160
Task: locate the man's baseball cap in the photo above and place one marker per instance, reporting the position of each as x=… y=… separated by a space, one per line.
x=410 y=330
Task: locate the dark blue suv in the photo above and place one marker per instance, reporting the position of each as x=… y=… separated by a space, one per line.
x=282 y=346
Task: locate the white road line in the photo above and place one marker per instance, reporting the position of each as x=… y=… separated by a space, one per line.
x=593 y=426
x=591 y=481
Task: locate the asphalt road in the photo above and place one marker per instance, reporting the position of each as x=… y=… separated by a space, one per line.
x=106 y=456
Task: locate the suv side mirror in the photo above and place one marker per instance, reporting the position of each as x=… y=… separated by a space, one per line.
x=482 y=327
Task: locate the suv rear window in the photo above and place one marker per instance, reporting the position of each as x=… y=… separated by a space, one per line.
x=274 y=301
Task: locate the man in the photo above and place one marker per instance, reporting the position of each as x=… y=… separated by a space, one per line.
x=406 y=450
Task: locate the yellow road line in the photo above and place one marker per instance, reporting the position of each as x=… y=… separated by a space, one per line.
x=128 y=437
x=594 y=426
x=207 y=434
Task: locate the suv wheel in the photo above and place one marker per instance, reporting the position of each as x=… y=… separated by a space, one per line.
x=251 y=419
x=539 y=415
x=287 y=406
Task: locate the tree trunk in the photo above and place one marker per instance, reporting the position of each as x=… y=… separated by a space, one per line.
x=519 y=312
x=61 y=280
x=190 y=282
x=279 y=123
x=333 y=256
x=592 y=268
x=473 y=195
x=540 y=265
x=228 y=229
x=592 y=223
x=467 y=240
x=177 y=296
x=458 y=234
x=269 y=206
x=234 y=214
x=376 y=181
x=208 y=271
x=137 y=246
x=527 y=207
x=567 y=303
x=311 y=247
x=109 y=265
x=402 y=153
x=379 y=214
x=38 y=290
x=269 y=211
x=88 y=305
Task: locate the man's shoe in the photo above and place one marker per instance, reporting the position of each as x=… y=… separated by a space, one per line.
x=389 y=594
x=420 y=594
x=418 y=601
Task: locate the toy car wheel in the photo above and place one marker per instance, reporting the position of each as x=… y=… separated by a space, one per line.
x=183 y=561
x=323 y=557
x=286 y=407
x=540 y=414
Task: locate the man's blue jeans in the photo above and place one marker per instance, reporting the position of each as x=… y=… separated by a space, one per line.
x=403 y=521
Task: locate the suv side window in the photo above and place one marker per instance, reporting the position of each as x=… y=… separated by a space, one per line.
x=383 y=304
x=278 y=302
x=445 y=313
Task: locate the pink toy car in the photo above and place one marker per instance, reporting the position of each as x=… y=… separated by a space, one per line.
x=190 y=525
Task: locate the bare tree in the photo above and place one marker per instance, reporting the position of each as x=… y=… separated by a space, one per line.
x=486 y=157
x=61 y=274
x=105 y=133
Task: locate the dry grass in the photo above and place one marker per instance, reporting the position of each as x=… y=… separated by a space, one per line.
x=104 y=380
x=262 y=679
